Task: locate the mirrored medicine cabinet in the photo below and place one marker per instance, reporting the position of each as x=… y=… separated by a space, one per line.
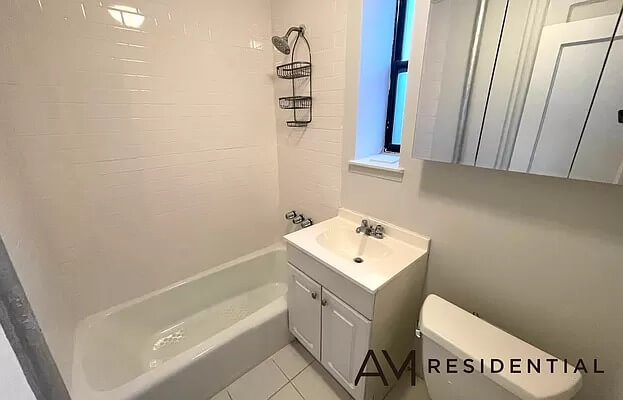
x=533 y=86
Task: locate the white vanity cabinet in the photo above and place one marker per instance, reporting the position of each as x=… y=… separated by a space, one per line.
x=345 y=341
x=349 y=293
x=333 y=332
x=304 y=298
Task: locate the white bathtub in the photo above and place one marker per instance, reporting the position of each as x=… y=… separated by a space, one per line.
x=187 y=341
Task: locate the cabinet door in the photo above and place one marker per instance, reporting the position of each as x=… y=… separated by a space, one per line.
x=304 y=310
x=345 y=342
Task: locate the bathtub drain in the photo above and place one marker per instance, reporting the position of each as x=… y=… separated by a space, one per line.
x=168 y=340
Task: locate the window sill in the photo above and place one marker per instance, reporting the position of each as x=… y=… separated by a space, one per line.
x=383 y=166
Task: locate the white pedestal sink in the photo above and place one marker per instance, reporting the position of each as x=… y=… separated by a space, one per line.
x=349 y=293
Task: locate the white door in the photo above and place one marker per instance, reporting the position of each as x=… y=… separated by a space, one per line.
x=566 y=71
x=600 y=154
x=304 y=310
x=345 y=342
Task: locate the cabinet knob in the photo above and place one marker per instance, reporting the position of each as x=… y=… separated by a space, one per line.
x=314 y=295
x=323 y=302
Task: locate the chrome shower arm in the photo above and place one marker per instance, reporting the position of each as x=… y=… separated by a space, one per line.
x=299 y=29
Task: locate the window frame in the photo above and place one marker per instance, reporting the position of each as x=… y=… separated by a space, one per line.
x=398 y=66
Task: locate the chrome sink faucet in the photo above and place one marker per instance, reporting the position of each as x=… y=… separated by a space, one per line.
x=368 y=229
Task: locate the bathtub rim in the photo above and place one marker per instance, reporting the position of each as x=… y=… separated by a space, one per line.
x=143 y=382
x=210 y=271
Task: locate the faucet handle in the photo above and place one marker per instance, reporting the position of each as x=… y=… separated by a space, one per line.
x=379 y=232
x=307 y=223
x=290 y=214
x=364 y=222
x=298 y=219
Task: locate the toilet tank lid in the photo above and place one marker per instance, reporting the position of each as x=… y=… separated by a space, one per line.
x=469 y=337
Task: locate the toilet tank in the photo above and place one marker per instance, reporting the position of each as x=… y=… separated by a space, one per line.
x=466 y=358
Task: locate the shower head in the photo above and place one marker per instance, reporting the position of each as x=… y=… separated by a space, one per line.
x=281 y=42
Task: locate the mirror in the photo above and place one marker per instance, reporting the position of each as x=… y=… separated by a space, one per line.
x=532 y=86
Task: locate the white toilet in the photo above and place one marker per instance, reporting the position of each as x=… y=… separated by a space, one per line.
x=451 y=335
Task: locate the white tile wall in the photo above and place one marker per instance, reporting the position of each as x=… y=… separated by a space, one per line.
x=309 y=159
x=132 y=157
x=25 y=237
x=138 y=156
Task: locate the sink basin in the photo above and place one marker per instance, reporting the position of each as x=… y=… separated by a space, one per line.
x=350 y=245
x=366 y=261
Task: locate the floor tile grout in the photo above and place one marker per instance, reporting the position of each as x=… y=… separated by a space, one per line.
x=279 y=368
x=297 y=389
x=294 y=377
x=301 y=371
x=298 y=373
x=288 y=380
x=279 y=390
x=283 y=373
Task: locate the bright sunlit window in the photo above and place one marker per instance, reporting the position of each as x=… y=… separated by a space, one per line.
x=399 y=71
x=127 y=16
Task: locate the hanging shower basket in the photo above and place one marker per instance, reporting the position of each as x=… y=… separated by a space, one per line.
x=301 y=105
x=294 y=70
x=295 y=102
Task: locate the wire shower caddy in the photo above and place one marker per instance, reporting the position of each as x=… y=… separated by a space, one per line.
x=294 y=70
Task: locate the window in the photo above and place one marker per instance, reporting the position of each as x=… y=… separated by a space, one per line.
x=399 y=70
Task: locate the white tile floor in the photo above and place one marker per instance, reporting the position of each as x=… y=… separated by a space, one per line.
x=293 y=374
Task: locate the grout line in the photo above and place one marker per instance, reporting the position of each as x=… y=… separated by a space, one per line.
x=295 y=376
x=284 y=374
x=297 y=389
x=279 y=368
x=271 y=396
x=298 y=373
x=301 y=371
x=290 y=381
x=279 y=390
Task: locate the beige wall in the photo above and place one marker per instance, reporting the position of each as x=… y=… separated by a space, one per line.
x=540 y=257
